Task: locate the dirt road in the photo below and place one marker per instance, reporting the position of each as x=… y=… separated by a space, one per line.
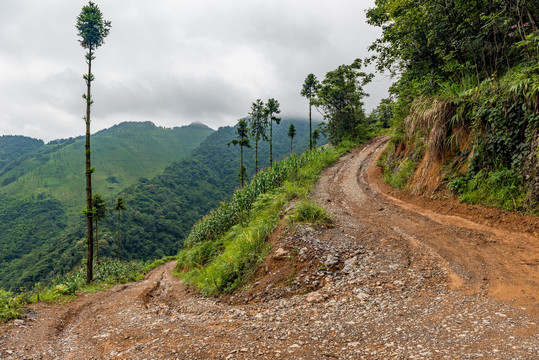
x=396 y=278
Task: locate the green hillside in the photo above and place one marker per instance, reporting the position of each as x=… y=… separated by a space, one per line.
x=13 y=149
x=121 y=155
x=42 y=186
x=160 y=209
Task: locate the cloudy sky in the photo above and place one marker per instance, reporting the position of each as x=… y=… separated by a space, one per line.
x=172 y=62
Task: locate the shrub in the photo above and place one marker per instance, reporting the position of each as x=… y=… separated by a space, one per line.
x=10 y=305
x=502 y=188
x=399 y=176
x=309 y=212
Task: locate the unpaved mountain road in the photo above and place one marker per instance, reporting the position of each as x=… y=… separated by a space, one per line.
x=396 y=278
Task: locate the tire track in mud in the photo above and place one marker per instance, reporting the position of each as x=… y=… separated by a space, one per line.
x=476 y=258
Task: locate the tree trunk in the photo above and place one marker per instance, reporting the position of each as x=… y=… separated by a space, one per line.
x=96 y=243
x=310 y=126
x=241 y=165
x=90 y=259
x=256 y=156
x=271 y=142
x=118 y=235
x=291 y=146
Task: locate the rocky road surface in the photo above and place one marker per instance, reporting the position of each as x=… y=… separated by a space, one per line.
x=394 y=279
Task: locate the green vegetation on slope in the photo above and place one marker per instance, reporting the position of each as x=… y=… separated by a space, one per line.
x=225 y=247
x=121 y=155
x=34 y=241
x=160 y=210
x=467 y=99
x=107 y=273
x=13 y=149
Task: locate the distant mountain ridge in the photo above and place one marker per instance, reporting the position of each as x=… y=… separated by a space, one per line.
x=42 y=185
x=120 y=154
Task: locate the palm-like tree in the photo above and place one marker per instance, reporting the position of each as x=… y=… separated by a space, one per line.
x=272 y=109
x=309 y=90
x=258 y=125
x=243 y=141
x=100 y=212
x=93 y=30
x=291 y=135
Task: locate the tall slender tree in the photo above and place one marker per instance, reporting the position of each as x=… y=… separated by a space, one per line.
x=258 y=126
x=100 y=212
x=291 y=135
x=93 y=30
x=119 y=207
x=243 y=141
x=272 y=109
x=310 y=88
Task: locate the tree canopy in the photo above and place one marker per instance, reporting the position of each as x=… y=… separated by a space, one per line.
x=92 y=28
x=340 y=98
x=434 y=40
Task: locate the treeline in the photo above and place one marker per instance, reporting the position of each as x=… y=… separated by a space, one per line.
x=467 y=92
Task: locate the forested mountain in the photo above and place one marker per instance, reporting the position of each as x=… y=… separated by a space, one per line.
x=160 y=209
x=42 y=186
x=120 y=155
x=14 y=148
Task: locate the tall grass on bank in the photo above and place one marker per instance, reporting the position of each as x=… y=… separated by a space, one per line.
x=106 y=273
x=226 y=247
x=502 y=188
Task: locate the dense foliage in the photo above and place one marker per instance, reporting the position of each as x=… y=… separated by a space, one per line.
x=27 y=223
x=340 y=98
x=429 y=42
x=467 y=92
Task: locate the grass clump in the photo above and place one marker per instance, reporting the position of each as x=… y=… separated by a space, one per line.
x=10 y=305
x=400 y=175
x=309 y=212
x=502 y=188
x=225 y=248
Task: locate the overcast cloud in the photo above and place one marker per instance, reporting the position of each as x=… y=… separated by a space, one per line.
x=172 y=62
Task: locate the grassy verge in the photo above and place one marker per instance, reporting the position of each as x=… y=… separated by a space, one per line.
x=107 y=273
x=501 y=188
x=226 y=247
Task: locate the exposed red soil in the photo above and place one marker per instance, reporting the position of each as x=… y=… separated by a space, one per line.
x=397 y=277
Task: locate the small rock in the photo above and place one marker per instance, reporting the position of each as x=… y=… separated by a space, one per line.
x=331 y=261
x=362 y=296
x=351 y=261
x=18 y=322
x=303 y=254
x=315 y=296
x=281 y=254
